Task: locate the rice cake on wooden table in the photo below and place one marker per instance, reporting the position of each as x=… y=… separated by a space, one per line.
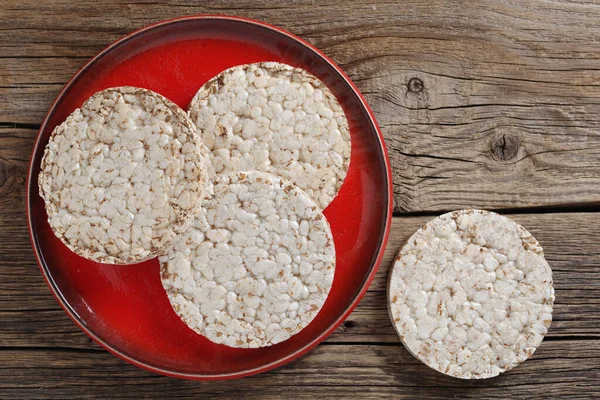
x=471 y=294
x=122 y=175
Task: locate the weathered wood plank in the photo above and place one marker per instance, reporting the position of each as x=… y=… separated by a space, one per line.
x=327 y=372
x=493 y=108
x=571 y=246
x=369 y=323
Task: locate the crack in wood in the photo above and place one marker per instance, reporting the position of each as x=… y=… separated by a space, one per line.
x=3 y=175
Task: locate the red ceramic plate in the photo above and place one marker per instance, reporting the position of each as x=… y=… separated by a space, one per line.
x=124 y=308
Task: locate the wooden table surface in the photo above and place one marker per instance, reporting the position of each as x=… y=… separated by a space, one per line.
x=492 y=104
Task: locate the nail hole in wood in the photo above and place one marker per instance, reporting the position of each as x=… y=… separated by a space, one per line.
x=415 y=85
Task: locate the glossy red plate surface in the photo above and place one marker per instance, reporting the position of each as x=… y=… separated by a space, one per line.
x=124 y=308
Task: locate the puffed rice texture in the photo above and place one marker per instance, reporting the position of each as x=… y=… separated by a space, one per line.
x=257 y=265
x=122 y=176
x=471 y=294
x=275 y=118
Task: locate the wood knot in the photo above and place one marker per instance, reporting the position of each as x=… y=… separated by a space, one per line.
x=415 y=85
x=349 y=324
x=3 y=174
x=505 y=147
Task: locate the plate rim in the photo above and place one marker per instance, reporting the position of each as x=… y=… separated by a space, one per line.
x=316 y=340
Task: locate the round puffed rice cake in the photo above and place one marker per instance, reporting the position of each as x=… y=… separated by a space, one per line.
x=122 y=176
x=275 y=118
x=471 y=294
x=257 y=265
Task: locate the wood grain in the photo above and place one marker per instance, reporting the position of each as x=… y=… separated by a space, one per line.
x=373 y=371
x=493 y=104
x=364 y=349
x=505 y=94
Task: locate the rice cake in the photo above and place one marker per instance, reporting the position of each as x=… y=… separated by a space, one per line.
x=471 y=294
x=275 y=118
x=257 y=265
x=122 y=175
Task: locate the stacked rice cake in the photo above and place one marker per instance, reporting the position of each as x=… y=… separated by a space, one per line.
x=257 y=265
x=127 y=175
x=261 y=260
x=122 y=176
x=275 y=118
